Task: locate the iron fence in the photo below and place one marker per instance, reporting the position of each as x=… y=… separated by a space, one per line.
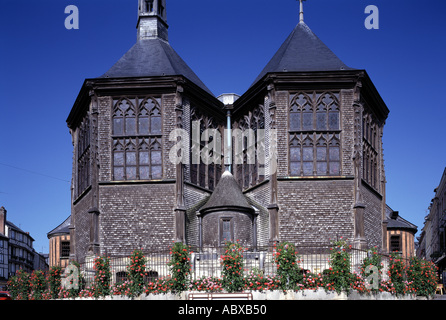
x=207 y=263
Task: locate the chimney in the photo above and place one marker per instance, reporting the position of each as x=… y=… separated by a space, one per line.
x=2 y=220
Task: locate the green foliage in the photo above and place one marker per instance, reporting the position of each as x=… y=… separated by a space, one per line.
x=422 y=277
x=19 y=286
x=396 y=273
x=232 y=261
x=206 y=284
x=288 y=270
x=136 y=272
x=338 y=277
x=102 y=278
x=372 y=268
x=179 y=267
x=73 y=281
x=37 y=285
x=54 y=281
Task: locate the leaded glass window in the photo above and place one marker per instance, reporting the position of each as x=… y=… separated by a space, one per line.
x=314 y=135
x=137 y=136
x=249 y=147
x=370 y=167
x=83 y=156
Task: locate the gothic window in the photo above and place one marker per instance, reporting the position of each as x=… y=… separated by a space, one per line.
x=137 y=129
x=248 y=146
x=83 y=156
x=314 y=135
x=370 y=151
x=203 y=174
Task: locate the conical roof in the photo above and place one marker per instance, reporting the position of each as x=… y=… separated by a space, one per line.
x=63 y=228
x=303 y=51
x=152 y=58
x=227 y=196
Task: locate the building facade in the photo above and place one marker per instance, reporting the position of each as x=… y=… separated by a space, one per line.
x=16 y=250
x=323 y=178
x=400 y=234
x=432 y=240
x=59 y=244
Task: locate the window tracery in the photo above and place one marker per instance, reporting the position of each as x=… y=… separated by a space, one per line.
x=137 y=134
x=314 y=134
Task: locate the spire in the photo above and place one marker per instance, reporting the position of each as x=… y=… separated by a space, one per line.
x=301 y=11
x=152 y=20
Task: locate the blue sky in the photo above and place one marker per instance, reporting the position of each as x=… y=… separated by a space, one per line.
x=227 y=44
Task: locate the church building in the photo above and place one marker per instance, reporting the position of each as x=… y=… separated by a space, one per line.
x=324 y=178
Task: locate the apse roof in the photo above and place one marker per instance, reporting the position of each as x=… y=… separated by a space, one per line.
x=227 y=195
x=303 y=51
x=151 y=58
x=63 y=228
x=395 y=221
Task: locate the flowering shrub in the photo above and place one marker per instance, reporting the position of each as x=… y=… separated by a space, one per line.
x=135 y=274
x=54 y=281
x=338 y=277
x=419 y=277
x=160 y=286
x=312 y=281
x=73 y=281
x=371 y=268
x=19 y=286
x=180 y=266
x=232 y=261
x=256 y=281
x=37 y=285
x=396 y=273
x=288 y=271
x=102 y=278
x=422 y=276
x=206 y=284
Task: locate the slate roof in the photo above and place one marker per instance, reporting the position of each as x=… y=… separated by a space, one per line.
x=303 y=51
x=151 y=58
x=395 y=221
x=13 y=226
x=63 y=228
x=227 y=196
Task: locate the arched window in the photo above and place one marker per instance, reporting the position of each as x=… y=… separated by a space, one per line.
x=137 y=129
x=314 y=128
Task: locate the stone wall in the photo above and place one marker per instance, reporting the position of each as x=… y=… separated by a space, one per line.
x=315 y=211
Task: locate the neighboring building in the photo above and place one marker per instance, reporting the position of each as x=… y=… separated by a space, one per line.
x=330 y=178
x=4 y=251
x=400 y=234
x=59 y=239
x=41 y=261
x=432 y=241
x=16 y=250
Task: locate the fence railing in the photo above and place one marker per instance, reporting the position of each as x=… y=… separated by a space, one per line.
x=207 y=263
